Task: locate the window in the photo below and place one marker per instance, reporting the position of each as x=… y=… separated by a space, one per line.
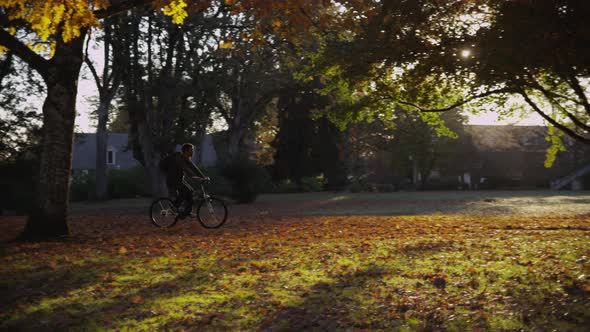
x=111 y=160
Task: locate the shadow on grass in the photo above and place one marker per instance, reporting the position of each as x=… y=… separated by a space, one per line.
x=105 y=311
x=45 y=282
x=336 y=307
x=554 y=311
x=329 y=306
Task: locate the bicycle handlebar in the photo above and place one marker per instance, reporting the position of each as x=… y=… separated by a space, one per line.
x=200 y=180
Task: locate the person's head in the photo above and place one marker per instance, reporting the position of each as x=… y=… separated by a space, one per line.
x=187 y=150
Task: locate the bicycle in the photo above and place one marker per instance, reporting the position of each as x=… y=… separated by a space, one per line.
x=210 y=211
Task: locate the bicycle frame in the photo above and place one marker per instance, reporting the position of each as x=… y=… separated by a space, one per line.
x=165 y=207
x=205 y=194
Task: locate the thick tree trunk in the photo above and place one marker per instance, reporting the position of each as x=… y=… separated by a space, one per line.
x=49 y=217
x=101 y=151
x=151 y=159
x=234 y=143
x=157 y=180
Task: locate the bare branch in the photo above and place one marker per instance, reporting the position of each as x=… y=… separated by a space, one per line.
x=114 y=81
x=91 y=66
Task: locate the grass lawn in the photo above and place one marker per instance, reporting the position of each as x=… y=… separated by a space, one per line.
x=400 y=261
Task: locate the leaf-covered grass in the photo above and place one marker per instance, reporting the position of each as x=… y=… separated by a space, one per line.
x=270 y=273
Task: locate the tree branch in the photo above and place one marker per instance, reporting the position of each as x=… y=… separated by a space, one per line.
x=91 y=66
x=455 y=105
x=571 y=116
x=19 y=49
x=575 y=84
x=538 y=86
x=118 y=7
x=116 y=79
x=314 y=23
x=556 y=124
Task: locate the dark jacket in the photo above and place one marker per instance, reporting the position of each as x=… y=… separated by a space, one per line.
x=179 y=168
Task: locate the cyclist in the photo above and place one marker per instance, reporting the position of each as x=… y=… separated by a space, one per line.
x=179 y=164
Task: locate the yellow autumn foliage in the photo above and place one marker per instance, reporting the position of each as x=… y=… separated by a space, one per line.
x=176 y=10
x=67 y=19
x=46 y=16
x=226 y=44
x=70 y=17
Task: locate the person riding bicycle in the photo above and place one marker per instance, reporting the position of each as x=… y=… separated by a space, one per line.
x=178 y=165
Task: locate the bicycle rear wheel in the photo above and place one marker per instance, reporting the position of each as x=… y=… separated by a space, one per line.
x=163 y=213
x=212 y=212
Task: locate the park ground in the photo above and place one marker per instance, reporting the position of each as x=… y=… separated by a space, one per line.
x=321 y=261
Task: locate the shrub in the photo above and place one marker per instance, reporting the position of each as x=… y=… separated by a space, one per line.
x=312 y=184
x=17 y=180
x=443 y=183
x=247 y=179
x=360 y=186
x=128 y=183
x=385 y=187
x=285 y=186
x=219 y=185
x=493 y=182
x=82 y=186
x=122 y=183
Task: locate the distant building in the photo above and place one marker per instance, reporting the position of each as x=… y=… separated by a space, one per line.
x=513 y=156
x=120 y=155
x=207 y=154
x=496 y=157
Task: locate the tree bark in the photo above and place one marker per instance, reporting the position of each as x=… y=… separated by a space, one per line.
x=234 y=143
x=101 y=150
x=151 y=159
x=111 y=78
x=49 y=217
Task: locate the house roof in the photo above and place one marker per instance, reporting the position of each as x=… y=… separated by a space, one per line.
x=508 y=138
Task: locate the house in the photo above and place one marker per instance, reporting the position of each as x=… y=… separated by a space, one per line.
x=513 y=156
x=120 y=155
x=485 y=157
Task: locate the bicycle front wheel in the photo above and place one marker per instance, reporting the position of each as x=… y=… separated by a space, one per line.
x=212 y=212
x=163 y=213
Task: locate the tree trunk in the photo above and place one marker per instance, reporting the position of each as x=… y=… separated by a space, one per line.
x=425 y=172
x=234 y=142
x=151 y=159
x=157 y=180
x=49 y=217
x=101 y=151
x=111 y=78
